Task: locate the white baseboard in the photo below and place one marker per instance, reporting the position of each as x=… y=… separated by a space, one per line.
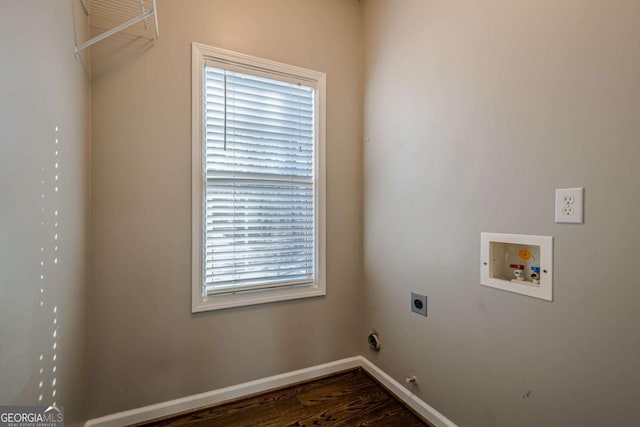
x=410 y=399
x=216 y=396
x=220 y=395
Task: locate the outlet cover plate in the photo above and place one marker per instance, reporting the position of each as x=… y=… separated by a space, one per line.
x=419 y=303
x=570 y=205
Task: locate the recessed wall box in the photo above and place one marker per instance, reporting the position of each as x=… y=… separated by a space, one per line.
x=517 y=263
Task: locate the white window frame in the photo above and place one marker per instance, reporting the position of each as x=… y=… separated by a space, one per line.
x=200 y=53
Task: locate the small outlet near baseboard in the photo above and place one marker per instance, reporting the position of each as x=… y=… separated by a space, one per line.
x=419 y=303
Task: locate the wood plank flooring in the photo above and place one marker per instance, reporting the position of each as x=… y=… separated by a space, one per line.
x=352 y=398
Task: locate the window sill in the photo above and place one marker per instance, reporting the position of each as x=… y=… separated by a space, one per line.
x=220 y=302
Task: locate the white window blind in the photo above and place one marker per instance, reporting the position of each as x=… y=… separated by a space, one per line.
x=258 y=135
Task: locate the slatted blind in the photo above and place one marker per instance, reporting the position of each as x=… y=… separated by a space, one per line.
x=259 y=162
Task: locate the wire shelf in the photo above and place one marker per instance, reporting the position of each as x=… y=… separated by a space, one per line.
x=108 y=17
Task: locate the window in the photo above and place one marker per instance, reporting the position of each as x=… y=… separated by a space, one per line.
x=258 y=180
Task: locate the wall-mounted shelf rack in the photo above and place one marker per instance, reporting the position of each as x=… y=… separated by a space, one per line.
x=109 y=17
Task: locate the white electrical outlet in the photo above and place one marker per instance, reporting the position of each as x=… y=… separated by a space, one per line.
x=570 y=205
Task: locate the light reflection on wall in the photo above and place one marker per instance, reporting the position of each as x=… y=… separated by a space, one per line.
x=48 y=270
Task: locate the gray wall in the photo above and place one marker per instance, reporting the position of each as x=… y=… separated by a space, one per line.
x=42 y=86
x=474 y=113
x=145 y=346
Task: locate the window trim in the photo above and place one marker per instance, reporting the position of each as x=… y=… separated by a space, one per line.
x=200 y=54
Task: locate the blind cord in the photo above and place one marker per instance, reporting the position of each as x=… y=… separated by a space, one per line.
x=225 y=111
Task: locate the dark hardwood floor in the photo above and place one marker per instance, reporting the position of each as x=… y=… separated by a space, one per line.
x=351 y=398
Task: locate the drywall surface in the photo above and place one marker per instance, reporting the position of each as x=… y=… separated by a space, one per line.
x=474 y=113
x=145 y=345
x=44 y=201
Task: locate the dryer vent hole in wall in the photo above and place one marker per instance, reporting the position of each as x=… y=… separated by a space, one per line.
x=374 y=341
